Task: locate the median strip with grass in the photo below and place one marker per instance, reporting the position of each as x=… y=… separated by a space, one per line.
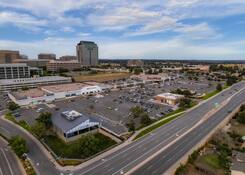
x=160 y=123
x=213 y=93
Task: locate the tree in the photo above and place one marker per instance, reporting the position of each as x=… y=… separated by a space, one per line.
x=219 y=87
x=242 y=108
x=24 y=88
x=136 y=111
x=45 y=118
x=18 y=145
x=241 y=117
x=131 y=125
x=63 y=70
x=39 y=129
x=13 y=106
x=185 y=103
x=145 y=119
x=231 y=80
x=137 y=71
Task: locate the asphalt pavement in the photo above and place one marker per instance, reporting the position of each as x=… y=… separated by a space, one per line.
x=8 y=161
x=128 y=157
x=162 y=162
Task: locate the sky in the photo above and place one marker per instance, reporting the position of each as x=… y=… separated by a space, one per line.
x=128 y=29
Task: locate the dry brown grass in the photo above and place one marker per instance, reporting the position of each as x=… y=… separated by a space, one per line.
x=101 y=77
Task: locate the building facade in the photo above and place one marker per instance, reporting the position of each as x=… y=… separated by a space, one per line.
x=87 y=53
x=68 y=58
x=70 y=125
x=168 y=98
x=57 y=65
x=33 y=62
x=7 y=56
x=46 y=56
x=13 y=71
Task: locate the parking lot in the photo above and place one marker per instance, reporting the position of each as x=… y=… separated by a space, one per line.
x=113 y=109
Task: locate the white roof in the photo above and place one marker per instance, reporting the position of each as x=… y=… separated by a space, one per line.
x=33 y=80
x=13 y=65
x=170 y=96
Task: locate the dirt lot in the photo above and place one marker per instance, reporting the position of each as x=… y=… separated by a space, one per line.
x=101 y=77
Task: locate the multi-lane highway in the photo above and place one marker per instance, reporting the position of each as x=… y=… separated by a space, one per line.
x=8 y=161
x=163 y=161
x=128 y=157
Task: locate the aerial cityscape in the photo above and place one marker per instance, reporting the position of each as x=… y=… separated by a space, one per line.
x=106 y=87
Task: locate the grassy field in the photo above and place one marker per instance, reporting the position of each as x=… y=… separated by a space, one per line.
x=82 y=148
x=212 y=160
x=101 y=77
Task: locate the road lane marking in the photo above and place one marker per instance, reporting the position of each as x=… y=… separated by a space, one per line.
x=7 y=162
x=4 y=130
x=142 y=155
x=1 y=172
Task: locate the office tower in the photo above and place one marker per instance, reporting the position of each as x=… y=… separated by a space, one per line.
x=87 y=53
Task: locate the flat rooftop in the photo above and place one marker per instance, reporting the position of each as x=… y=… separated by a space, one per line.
x=64 y=87
x=170 y=96
x=32 y=93
x=65 y=125
x=13 y=65
x=34 y=80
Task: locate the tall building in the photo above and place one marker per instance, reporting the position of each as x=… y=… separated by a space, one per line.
x=12 y=71
x=87 y=53
x=7 y=56
x=46 y=56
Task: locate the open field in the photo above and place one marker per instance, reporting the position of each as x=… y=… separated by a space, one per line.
x=101 y=77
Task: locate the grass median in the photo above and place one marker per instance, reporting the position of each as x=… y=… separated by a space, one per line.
x=213 y=93
x=159 y=124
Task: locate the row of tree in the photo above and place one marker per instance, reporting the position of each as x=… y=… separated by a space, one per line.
x=138 y=112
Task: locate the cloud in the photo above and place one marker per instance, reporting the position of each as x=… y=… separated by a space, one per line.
x=67 y=29
x=120 y=18
x=151 y=49
x=23 y=21
x=198 y=31
x=160 y=25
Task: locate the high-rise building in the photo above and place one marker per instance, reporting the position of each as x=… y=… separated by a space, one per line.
x=46 y=56
x=12 y=71
x=7 y=56
x=87 y=53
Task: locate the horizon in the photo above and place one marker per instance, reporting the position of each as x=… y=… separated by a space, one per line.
x=159 y=29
